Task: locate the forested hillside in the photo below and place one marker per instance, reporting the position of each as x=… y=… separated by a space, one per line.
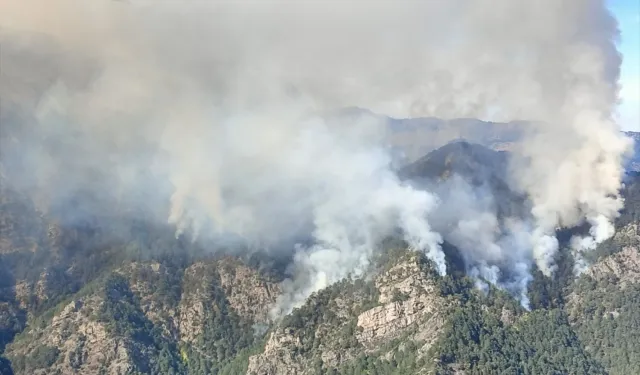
x=78 y=300
x=318 y=188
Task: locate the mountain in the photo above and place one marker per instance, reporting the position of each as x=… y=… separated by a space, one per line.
x=88 y=298
x=414 y=137
x=470 y=167
x=472 y=161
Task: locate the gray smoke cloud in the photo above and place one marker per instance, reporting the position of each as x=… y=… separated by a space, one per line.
x=226 y=99
x=494 y=243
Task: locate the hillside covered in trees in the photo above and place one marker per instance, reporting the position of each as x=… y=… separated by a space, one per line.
x=79 y=300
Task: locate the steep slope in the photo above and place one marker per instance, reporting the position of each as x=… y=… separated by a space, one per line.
x=470 y=160
x=603 y=303
x=150 y=318
x=603 y=309
x=83 y=300
x=423 y=324
x=207 y=318
x=349 y=320
x=481 y=169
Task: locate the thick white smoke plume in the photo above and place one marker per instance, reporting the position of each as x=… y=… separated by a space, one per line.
x=231 y=93
x=601 y=229
x=495 y=245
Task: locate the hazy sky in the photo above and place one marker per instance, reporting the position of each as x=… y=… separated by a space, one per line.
x=628 y=14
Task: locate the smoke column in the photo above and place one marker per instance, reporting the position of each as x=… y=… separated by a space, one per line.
x=574 y=156
x=231 y=94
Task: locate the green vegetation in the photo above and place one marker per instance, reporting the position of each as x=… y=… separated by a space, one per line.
x=42 y=357
x=225 y=336
x=399 y=296
x=598 y=332
x=476 y=338
x=12 y=321
x=123 y=317
x=321 y=308
x=400 y=357
x=608 y=319
x=541 y=342
x=240 y=363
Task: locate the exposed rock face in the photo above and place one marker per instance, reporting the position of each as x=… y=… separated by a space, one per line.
x=383 y=322
x=620 y=269
x=29 y=294
x=192 y=308
x=412 y=308
x=45 y=286
x=507 y=316
x=22 y=290
x=248 y=292
x=159 y=310
x=404 y=281
x=623 y=266
x=279 y=356
x=77 y=343
x=629 y=235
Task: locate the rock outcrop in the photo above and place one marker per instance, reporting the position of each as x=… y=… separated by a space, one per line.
x=73 y=343
x=409 y=297
x=624 y=267
x=408 y=306
x=249 y=293
x=75 y=339
x=279 y=357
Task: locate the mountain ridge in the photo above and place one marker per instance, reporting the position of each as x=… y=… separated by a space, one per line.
x=415 y=137
x=177 y=310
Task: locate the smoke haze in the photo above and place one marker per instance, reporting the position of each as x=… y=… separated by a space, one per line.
x=222 y=104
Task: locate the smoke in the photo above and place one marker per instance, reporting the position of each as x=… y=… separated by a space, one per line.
x=574 y=158
x=221 y=105
x=601 y=229
x=490 y=229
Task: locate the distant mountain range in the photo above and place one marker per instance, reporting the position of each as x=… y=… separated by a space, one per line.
x=413 y=138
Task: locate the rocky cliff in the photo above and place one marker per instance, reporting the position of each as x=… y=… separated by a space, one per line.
x=85 y=335
x=349 y=320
